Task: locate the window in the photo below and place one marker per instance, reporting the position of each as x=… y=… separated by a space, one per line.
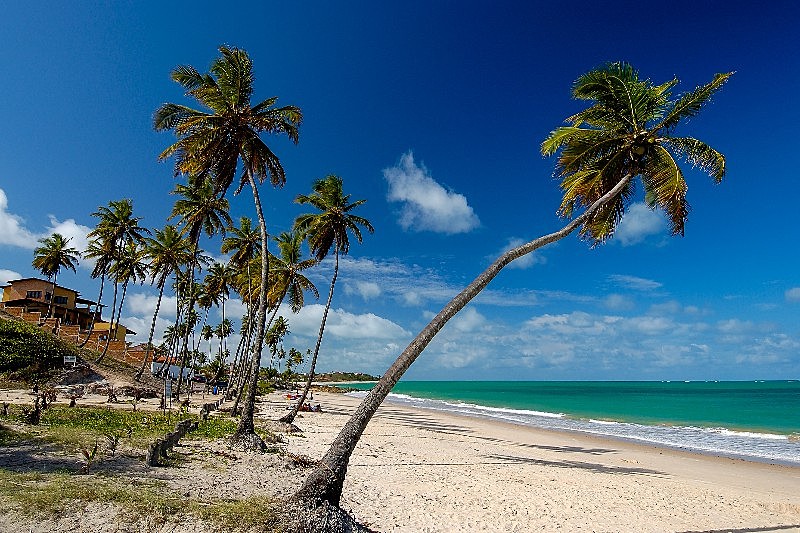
x=47 y=296
x=60 y=300
x=33 y=294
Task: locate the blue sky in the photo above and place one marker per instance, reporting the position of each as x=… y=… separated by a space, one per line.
x=433 y=112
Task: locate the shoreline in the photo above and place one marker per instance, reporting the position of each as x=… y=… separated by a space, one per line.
x=425 y=470
x=603 y=436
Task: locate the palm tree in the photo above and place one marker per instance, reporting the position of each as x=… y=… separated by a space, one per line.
x=167 y=253
x=214 y=143
x=625 y=133
x=115 y=228
x=129 y=266
x=53 y=255
x=325 y=230
x=200 y=210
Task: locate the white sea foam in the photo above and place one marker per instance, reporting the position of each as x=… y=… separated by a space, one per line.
x=768 y=447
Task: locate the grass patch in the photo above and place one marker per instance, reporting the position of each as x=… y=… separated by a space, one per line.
x=43 y=496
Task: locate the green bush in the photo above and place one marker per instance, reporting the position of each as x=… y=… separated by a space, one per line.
x=24 y=346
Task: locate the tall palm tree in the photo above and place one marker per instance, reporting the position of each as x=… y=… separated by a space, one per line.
x=215 y=142
x=167 y=253
x=625 y=133
x=325 y=230
x=53 y=255
x=200 y=210
x=116 y=227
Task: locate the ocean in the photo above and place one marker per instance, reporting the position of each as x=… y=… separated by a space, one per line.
x=752 y=420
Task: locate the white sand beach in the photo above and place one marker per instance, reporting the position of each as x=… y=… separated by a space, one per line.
x=424 y=471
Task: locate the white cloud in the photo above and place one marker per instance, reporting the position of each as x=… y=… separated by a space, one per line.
x=526 y=261
x=8 y=275
x=71 y=230
x=427 y=206
x=639 y=223
x=633 y=282
x=793 y=294
x=618 y=302
x=145 y=304
x=367 y=290
x=12 y=229
x=341 y=323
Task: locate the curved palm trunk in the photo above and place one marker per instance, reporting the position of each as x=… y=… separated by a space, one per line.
x=246 y=426
x=293 y=413
x=108 y=336
x=326 y=480
x=244 y=367
x=152 y=330
x=121 y=302
x=97 y=309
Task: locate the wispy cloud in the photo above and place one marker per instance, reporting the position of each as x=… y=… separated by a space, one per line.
x=639 y=223
x=427 y=205
x=634 y=282
x=793 y=294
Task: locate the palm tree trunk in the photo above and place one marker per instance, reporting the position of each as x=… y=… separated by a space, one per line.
x=293 y=413
x=121 y=302
x=108 y=336
x=152 y=330
x=97 y=309
x=244 y=367
x=52 y=296
x=246 y=428
x=326 y=480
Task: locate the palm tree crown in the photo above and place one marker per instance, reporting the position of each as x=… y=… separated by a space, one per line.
x=330 y=227
x=211 y=143
x=55 y=254
x=627 y=132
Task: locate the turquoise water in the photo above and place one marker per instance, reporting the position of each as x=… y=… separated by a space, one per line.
x=757 y=420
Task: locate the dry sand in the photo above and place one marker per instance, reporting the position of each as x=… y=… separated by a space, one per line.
x=418 y=470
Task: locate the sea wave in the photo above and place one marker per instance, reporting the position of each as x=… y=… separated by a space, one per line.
x=728 y=442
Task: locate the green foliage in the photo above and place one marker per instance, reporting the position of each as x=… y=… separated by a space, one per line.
x=25 y=346
x=50 y=495
x=345 y=376
x=78 y=423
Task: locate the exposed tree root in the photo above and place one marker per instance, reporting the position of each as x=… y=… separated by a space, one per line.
x=248 y=442
x=305 y=516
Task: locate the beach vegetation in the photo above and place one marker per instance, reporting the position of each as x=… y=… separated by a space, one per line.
x=327 y=230
x=53 y=254
x=27 y=353
x=45 y=496
x=167 y=252
x=214 y=144
x=626 y=133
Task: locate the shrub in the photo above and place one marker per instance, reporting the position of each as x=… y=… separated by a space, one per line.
x=27 y=349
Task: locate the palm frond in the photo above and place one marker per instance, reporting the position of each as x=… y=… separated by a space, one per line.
x=700 y=155
x=690 y=103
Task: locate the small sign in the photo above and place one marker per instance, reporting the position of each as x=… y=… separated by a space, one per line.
x=168 y=388
x=70 y=359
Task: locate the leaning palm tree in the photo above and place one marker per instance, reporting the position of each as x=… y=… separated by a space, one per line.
x=167 y=253
x=214 y=143
x=325 y=230
x=625 y=133
x=53 y=255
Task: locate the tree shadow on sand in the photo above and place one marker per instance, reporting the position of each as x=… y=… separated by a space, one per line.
x=793 y=527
